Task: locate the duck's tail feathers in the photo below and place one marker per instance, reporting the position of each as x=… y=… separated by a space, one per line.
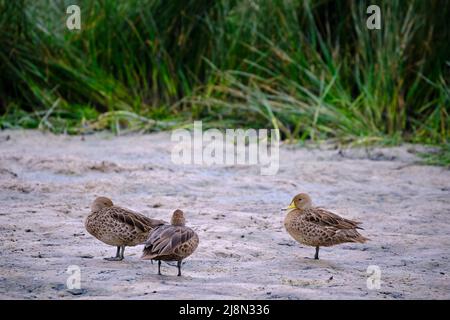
x=357 y=225
x=361 y=239
x=148 y=256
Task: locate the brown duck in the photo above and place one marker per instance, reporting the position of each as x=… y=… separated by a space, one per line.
x=173 y=242
x=317 y=227
x=117 y=226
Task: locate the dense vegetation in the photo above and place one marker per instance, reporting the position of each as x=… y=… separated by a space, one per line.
x=310 y=68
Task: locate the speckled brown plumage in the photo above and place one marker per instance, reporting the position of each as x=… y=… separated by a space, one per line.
x=117 y=226
x=173 y=242
x=318 y=227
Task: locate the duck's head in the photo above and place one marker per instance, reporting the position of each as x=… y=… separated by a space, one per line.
x=300 y=201
x=178 y=218
x=100 y=203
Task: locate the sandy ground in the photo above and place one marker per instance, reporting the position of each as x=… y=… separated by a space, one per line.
x=48 y=182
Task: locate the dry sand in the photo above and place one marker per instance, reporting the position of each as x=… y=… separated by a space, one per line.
x=48 y=182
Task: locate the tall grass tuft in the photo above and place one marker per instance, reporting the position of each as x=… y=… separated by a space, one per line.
x=310 y=68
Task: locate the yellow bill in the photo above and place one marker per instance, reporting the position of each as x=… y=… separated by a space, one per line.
x=291 y=206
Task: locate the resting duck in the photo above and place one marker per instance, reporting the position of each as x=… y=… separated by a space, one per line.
x=173 y=242
x=117 y=226
x=317 y=227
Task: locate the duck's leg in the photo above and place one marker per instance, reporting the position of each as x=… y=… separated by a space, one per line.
x=316 y=256
x=179 y=267
x=159 y=267
x=117 y=257
x=122 y=252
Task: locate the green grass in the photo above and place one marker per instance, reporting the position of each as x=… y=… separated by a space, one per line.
x=309 y=68
x=440 y=158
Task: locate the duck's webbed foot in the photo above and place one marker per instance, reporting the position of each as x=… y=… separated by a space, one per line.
x=119 y=255
x=113 y=259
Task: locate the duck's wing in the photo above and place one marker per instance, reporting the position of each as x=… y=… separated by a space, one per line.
x=133 y=219
x=326 y=218
x=165 y=240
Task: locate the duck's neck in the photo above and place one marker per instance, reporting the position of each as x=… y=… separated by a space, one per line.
x=178 y=222
x=296 y=211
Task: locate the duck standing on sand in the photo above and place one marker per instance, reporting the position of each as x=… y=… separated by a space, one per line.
x=117 y=226
x=173 y=242
x=317 y=227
